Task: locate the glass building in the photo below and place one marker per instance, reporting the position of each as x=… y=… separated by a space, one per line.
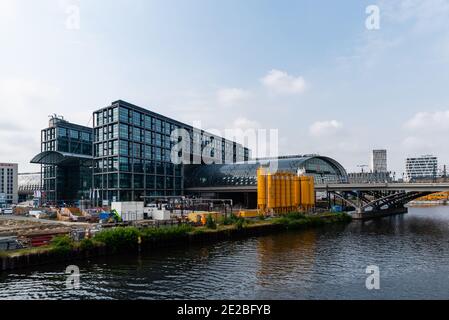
x=133 y=153
x=238 y=181
x=323 y=169
x=66 y=162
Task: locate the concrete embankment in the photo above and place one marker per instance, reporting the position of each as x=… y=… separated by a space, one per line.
x=141 y=241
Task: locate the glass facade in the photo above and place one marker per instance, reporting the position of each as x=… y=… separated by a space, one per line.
x=133 y=153
x=323 y=169
x=67 y=165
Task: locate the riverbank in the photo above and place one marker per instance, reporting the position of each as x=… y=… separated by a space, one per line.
x=131 y=239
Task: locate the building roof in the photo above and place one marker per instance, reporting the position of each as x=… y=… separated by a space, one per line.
x=58 y=158
x=245 y=173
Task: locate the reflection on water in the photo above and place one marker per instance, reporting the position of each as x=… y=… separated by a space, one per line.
x=412 y=252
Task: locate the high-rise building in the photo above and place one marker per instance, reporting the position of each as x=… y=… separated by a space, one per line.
x=8 y=184
x=424 y=167
x=133 y=153
x=66 y=161
x=379 y=161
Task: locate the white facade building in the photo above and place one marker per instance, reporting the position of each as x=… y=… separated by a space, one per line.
x=8 y=184
x=379 y=161
x=421 y=168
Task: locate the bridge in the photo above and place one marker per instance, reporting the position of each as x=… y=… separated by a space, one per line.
x=368 y=199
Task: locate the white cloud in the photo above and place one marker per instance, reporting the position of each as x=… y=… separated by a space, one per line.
x=429 y=121
x=232 y=96
x=325 y=128
x=426 y=16
x=25 y=106
x=282 y=83
x=245 y=124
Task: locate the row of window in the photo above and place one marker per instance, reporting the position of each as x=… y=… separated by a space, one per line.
x=61 y=132
x=136 y=181
x=126 y=164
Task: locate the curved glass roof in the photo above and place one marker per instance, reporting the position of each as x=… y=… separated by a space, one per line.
x=324 y=170
x=58 y=158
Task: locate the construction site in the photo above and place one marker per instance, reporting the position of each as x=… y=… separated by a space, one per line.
x=278 y=193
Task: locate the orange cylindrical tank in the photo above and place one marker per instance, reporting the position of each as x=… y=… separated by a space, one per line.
x=292 y=190
x=261 y=189
x=277 y=178
x=312 y=191
x=296 y=191
x=305 y=198
x=288 y=190
x=271 y=190
x=283 y=193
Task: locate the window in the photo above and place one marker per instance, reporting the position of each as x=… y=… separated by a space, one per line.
x=124 y=148
x=124 y=131
x=137 y=118
x=148 y=122
x=62 y=132
x=123 y=117
x=74 y=134
x=125 y=180
x=125 y=164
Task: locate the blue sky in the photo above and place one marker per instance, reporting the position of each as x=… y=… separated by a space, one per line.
x=308 y=68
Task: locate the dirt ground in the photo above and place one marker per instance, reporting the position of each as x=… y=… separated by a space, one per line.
x=13 y=226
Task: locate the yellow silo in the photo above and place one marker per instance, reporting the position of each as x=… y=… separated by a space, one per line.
x=296 y=192
x=283 y=191
x=261 y=189
x=288 y=190
x=305 y=197
x=312 y=191
x=278 y=190
x=271 y=189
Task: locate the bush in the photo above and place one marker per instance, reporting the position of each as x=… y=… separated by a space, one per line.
x=229 y=219
x=210 y=222
x=295 y=216
x=62 y=244
x=87 y=244
x=240 y=223
x=119 y=238
x=166 y=233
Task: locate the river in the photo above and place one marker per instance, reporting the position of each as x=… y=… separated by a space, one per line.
x=411 y=251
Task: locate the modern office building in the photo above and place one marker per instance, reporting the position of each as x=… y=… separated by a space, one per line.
x=424 y=167
x=66 y=162
x=8 y=184
x=379 y=161
x=133 y=153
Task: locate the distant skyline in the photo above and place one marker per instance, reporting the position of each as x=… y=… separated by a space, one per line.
x=308 y=68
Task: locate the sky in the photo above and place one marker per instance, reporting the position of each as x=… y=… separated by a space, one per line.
x=314 y=70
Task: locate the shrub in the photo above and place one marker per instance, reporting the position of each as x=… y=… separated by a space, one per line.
x=119 y=238
x=166 y=233
x=240 y=223
x=62 y=244
x=210 y=222
x=295 y=215
x=87 y=244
